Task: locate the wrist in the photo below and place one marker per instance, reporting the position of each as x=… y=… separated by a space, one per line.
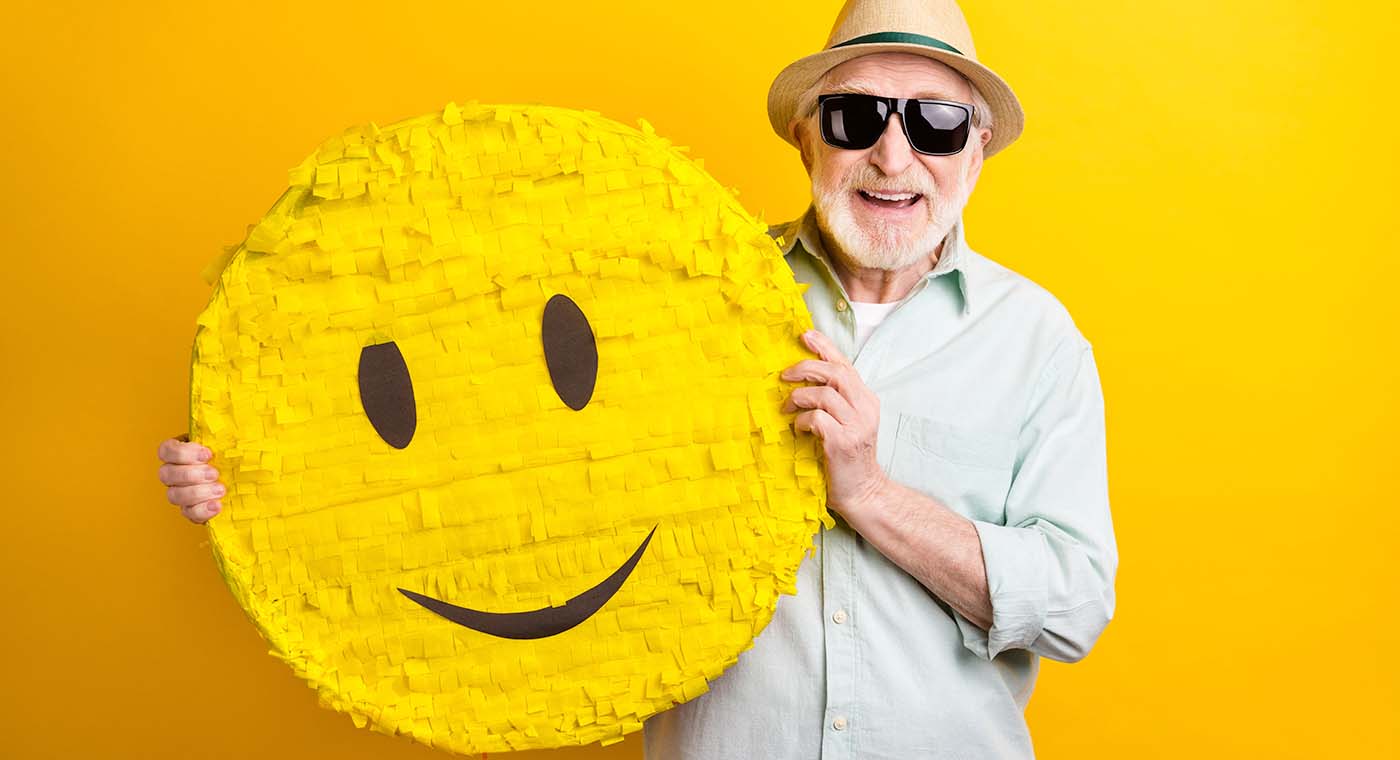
x=871 y=499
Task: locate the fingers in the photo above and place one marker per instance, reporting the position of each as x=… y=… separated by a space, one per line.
x=187 y=474
x=815 y=371
x=842 y=377
x=202 y=512
x=190 y=484
x=824 y=347
x=821 y=397
x=189 y=496
x=817 y=422
x=174 y=451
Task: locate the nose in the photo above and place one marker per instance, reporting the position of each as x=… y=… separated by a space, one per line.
x=892 y=153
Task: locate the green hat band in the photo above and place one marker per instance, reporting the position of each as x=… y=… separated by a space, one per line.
x=899 y=37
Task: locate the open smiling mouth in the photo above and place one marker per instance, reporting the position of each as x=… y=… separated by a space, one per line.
x=541 y=623
x=889 y=200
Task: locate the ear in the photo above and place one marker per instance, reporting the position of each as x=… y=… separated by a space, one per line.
x=974 y=167
x=803 y=148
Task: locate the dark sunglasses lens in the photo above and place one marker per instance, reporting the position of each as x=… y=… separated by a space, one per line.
x=937 y=128
x=854 y=122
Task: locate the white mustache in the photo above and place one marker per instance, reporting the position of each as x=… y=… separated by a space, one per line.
x=867 y=179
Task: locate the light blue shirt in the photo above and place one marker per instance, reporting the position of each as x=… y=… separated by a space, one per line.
x=990 y=403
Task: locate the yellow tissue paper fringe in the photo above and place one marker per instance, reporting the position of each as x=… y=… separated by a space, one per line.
x=447 y=234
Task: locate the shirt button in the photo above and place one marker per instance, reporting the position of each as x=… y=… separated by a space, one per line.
x=840 y=304
x=839 y=616
x=839 y=724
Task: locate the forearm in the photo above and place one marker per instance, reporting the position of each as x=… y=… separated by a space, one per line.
x=1051 y=558
x=936 y=545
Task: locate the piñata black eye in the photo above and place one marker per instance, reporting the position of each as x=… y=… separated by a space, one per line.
x=386 y=393
x=570 y=351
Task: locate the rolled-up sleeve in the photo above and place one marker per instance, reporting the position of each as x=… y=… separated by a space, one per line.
x=1051 y=567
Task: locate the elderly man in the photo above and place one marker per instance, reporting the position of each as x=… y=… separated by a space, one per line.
x=964 y=443
x=964 y=438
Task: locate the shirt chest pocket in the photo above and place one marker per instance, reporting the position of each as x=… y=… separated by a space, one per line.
x=968 y=470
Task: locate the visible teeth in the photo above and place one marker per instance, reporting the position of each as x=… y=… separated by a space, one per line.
x=895 y=197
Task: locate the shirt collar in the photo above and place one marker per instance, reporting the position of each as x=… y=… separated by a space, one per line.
x=955 y=256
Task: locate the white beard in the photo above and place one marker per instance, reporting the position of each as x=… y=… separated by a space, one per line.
x=880 y=245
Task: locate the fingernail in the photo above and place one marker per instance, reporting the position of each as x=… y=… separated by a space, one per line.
x=215 y=508
x=210 y=473
x=219 y=490
x=205 y=455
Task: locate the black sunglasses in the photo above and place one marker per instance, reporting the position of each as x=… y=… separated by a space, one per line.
x=855 y=122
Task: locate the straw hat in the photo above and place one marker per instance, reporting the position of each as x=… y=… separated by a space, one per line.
x=931 y=28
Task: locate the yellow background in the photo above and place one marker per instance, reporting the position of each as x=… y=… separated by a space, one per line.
x=1210 y=188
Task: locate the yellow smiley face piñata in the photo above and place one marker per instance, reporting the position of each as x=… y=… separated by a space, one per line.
x=495 y=391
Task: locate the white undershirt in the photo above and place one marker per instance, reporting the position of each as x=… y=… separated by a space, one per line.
x=868 y=315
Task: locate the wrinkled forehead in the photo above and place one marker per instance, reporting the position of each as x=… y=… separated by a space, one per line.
x=900 y=75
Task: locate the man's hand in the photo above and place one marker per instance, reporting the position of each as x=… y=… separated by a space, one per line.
x=845 y=414
x=192 y=484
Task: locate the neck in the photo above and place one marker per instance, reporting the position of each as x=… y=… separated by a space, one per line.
x=867 y=285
